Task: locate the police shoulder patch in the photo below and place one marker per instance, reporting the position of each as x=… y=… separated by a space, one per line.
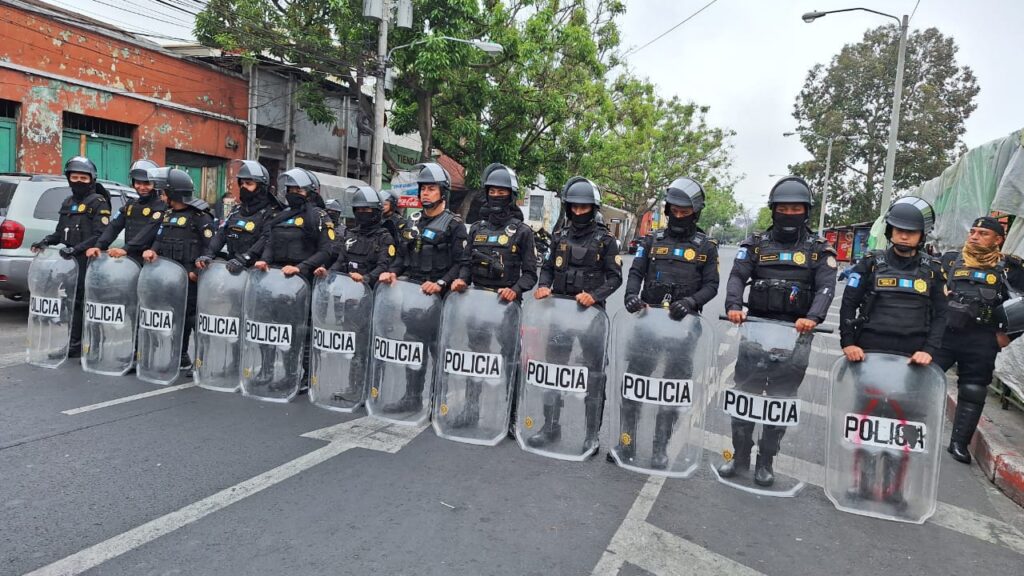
x=741 y=254
x=854 y=280
x=157 y=215
x=391 y=250
x=618 y=260
x=105 y=220
x=831 y=262
x=208 y=233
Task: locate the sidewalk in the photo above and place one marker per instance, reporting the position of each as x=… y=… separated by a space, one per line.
x=998 y=445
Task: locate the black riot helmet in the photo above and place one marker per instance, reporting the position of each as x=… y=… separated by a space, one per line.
x=501 y=176
x=80 y=164
x=910 y=213
x=1010 y=315
x=579 y=190
x=139 y=172
x=333 y=208
x=791 y=190
x=158 y=176
x=685 y=193
x=179 y=184
x=389 y=197
x=365 y=197
x=297 y=177
x=433 y=173
x=253 y=170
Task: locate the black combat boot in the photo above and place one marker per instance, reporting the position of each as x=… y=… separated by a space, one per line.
x=471 y=411
x=662 y=434
x=893 y=474
x=864 y=475
x=964 y=424
x=551 y=431
x=742 y=443
x=763 y=473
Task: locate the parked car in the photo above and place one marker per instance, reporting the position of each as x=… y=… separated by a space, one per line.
x=29 y=210
x=634 y=244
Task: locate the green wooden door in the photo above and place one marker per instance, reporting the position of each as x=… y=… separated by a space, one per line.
x=8 y=130
x=112 y=155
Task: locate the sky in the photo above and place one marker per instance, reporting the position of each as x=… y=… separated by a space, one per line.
x=747 y=60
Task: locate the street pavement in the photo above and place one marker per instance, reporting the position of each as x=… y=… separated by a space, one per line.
x=96 y=480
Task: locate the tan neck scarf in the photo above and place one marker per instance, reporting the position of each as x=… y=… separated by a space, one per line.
x=977 y=257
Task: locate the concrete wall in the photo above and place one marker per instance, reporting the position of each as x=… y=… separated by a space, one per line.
x=50 y=67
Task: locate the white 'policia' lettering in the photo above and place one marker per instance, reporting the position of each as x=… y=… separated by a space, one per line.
x=660 y=391
x=334 y=341
x=159 y=320
x=104 y=313
x=558 y=377
x=762 y=409
x=398 y=351
x=45 y=307
x=903 y=436
x=477 y=364
x=223 y=326
x=267 y=333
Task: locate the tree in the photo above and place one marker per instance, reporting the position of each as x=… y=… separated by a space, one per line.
x=852 y=99
x=649 y=141
x=764 y=219
x=526 y=109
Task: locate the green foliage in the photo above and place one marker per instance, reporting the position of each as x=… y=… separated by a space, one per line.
x=851 y=98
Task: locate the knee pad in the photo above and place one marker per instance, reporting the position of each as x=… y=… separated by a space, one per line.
x=972 y=392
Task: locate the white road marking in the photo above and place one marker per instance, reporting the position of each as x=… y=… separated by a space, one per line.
x=360 y=433
x=656 y=550
x=131 y=398
x=12 y=358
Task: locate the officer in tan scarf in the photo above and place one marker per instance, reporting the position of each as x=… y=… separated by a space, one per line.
x=978 y=280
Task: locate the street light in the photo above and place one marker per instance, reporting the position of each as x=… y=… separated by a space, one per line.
x=828 y=171
x=897 y=94
x=384 y=58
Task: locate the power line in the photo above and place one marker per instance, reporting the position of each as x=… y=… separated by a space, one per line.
x=663 y=34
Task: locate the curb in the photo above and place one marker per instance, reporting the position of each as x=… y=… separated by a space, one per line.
x=1001 y=462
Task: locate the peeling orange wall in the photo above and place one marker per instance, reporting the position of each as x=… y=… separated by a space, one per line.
x=58 y=48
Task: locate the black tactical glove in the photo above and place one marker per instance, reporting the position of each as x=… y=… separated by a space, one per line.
x=205 y=260
x=235 y=266
x=680 y=308
x=634 y=303
x=67 y=253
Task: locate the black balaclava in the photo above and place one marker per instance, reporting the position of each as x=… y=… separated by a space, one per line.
x=787 y=227
x=499 y=209
x=294 y=199
x=366 y=220
x=681 y=227
x=581 y=222
x=81 y=189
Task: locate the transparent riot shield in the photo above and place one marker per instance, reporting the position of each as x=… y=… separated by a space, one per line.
x=405 y=326
x=111 y=309
x=52 y=282
x=884 y=428
x=163 y=292
x=478 y=351
x=766 y=422
x=340 y=343
x=276 y=312
x=662 y=374
x=561 y=378
x=218 y=330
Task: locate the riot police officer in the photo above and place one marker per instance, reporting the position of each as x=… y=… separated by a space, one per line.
x=140 y=218
x=895 y=303
x=393 y=219
x=979 y=279
x=366 y=250
x=239 y=237
x=499 y=256
x=792 y=278
x=677 y=268
x=183 y=236
x=83 y=217
x=298 y=238
x=432 y=245
x=586 y=265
